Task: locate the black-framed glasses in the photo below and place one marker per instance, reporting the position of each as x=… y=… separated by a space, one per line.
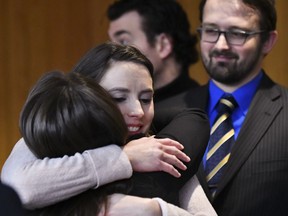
x=233 y=37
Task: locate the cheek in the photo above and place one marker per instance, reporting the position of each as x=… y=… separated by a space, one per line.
x=250 y=48
x=244 y=55
x=123 y=109
x=246 y=52
x=205 y=48
x=139 y=43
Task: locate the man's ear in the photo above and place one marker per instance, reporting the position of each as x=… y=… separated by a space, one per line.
x=269 y=44
x=164 y=45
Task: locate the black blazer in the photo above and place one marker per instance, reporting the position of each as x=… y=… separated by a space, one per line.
x=10 y=204
x=256 y=179
x=191 y=128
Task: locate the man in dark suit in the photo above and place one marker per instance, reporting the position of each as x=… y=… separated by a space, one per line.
x=236 y=35
x=10 y=204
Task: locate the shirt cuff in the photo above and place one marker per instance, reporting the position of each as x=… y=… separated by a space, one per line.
x=110 y=164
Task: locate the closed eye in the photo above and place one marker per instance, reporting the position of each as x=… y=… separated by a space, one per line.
x=119 y=99
x=211 y=31
x=237 y=34
x=146 y=101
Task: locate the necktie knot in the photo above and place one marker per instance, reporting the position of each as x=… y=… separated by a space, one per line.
x=226 y=104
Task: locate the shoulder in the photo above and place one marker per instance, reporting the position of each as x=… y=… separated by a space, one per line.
x=10 y=203
x=272 y=90
x=194 y=97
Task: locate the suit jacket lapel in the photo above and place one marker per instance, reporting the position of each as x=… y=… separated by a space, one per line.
x=263 y=110
x=202 y=179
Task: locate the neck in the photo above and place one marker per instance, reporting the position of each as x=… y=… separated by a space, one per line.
x=166 y=74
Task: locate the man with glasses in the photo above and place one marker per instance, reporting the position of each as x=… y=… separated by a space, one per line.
x=235 y=37
x=251 y=176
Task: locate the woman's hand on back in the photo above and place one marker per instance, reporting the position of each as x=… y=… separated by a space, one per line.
x=120 y=204
x=149 y=154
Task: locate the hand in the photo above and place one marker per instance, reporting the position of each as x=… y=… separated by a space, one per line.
x=149 y=154
x=120 y=204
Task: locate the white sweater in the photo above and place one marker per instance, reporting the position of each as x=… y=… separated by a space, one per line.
x=44 y=182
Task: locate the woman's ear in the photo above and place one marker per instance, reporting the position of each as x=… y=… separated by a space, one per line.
x=270 y=42
x=164 y=45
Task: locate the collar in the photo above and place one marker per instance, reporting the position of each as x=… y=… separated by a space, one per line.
x=242 y=95
x=182 y=83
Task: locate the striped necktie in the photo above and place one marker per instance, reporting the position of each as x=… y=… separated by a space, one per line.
x=220 y=143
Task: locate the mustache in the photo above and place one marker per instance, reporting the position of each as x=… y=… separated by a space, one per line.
x=216 y=53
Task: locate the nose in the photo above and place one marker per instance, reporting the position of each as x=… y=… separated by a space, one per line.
x=135 y=109
x=222 y=43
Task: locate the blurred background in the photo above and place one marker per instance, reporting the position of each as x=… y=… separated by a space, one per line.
x=37 y=36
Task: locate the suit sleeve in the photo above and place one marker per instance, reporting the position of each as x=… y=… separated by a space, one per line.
x=192 y=129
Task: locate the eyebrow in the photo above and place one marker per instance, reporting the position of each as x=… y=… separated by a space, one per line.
x=213 y=25
x=121 y=32
x=147 y=91
x=118 y=90
x=127 y=90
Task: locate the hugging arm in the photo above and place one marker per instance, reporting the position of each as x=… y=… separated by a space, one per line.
x=44 y=182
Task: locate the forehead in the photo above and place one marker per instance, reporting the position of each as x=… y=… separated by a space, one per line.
x=127 y=72
x=230 y=13
x=129 y=20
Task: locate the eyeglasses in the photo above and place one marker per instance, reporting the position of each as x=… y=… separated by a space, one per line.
x=233 y=37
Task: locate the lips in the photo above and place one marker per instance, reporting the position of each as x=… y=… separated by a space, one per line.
x=223 y=55
x=222 y=58
x=132 y=129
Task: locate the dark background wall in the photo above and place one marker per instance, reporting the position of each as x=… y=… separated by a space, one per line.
x=37 y=36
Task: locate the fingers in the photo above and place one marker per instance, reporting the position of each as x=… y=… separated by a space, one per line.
x=176 y=152
x=173 y=147
x=172 y=157
x=168 y=168
x=170 y=142
x=151 y=154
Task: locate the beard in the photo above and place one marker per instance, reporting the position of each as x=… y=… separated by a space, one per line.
x=233 y=71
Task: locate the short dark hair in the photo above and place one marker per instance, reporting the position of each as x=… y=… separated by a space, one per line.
x=266 y=9
x=162 y=16
x=69 y=113
x=95 y=62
